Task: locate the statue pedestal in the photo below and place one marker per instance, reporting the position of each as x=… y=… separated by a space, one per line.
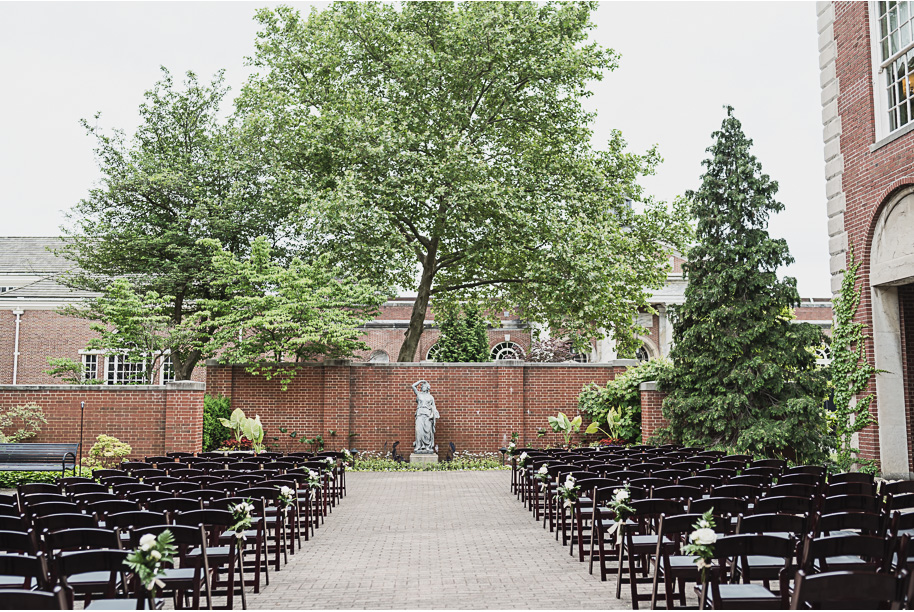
x=423 y=459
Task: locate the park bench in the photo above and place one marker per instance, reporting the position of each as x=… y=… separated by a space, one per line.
x=38 y=457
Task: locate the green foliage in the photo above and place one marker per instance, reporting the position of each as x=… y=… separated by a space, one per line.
x=151 y=557
x=215 y=433
x=367 y=461
x=106 y=453
x=275 y=311
x=26 y=419
x=617 y=406
x=744 y=374
x=850 y=372
x=444 y=146
x=183 y=176
x=9 y=480
x=463 y=336
x=131 y=324
x=69 y=371
x=565 y=426
x=243 y=426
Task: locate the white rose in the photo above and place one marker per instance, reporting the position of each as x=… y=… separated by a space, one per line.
x=703 y=536
x=155 y=555
x=621 y=495
x=703 y=524
x=312 y=474
x=569 y=482
x=511 y=446
x=523 y=457
x=147 y=541
x=544 y=470
x=286 y=491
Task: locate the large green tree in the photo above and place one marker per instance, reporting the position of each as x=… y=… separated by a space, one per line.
x=443 y=147
x=463 y=337
x=183 y=176
x=745 y=375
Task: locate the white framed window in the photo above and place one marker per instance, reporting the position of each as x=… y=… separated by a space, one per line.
x=379 y=356
x=432 y=353
x=167 y=371
x=580 y=357
x=892 y=36
x=506 y=350
x=642 y=354
x=90 y=366
x=122 y=370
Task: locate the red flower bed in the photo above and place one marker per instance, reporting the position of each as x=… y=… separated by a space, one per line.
x=238 y=445
x=612 y=442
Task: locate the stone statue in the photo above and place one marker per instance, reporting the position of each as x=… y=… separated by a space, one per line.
x=426 y=415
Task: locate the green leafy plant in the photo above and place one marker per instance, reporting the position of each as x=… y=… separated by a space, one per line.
x=565 y=426
x=245 y=427
x=463 y=337
x=69 y=371
x=850 y=372
x=107 y=452
x=371 y=461
x=27 y=420
x=215 y=408
x=615 y=409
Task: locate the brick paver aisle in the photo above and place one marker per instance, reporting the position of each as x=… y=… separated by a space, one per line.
x=434 y=540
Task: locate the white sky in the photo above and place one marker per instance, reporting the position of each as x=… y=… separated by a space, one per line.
x=681 y=62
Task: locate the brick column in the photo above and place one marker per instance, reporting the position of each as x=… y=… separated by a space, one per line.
x=336 y=403
x=184 y=416
x=509 y=377
x=651 y=415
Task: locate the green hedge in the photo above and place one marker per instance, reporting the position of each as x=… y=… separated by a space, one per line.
x=9 y=480
x=214 y=432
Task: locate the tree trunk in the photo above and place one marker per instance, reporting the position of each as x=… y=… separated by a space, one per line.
x=417 y=318
x=184 y=363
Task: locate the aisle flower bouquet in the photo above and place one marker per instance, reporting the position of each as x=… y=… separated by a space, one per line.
x=701 y=543
x=150 y=557
x=568 y=492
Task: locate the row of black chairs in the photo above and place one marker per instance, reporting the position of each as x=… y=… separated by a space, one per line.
x=97 y=520
x=806 y=523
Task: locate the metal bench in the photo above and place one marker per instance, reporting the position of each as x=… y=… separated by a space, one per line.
x=38 y=457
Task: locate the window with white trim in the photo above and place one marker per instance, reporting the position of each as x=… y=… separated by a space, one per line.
x=124 y=371
x=507 y=350
x=892 y=34
x=167 y=369
x=642 y=354
x=90 y=367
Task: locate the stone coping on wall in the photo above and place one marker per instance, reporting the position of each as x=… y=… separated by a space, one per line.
x=617 y=363
x=181 y=385
x=650 y=385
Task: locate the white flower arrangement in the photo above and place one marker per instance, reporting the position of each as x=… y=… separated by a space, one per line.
x=522 y=460
x=701 y=543
x=241 y=518
x=151 y=555
x=286 y=496
x=568 y=492
x=543 y=476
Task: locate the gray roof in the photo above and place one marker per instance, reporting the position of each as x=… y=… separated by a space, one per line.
x=46 y=288
x=30 y=255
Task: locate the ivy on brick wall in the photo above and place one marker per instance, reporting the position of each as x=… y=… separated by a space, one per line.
x=850 y=372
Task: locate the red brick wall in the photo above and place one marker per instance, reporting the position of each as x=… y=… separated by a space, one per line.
x=869 y=177
x=480 y=404
x=153 y=420
x=651 y=410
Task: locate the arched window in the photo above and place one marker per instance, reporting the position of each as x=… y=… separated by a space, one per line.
x=379 y=357
x=823 y=355
x=641 y=354
x=432 y=354
x=506 y=350
x=580 y=357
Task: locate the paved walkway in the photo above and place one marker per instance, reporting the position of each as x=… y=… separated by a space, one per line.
x=434 y=540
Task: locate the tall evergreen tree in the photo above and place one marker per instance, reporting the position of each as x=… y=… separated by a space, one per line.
x=463 y=337
x=745 y=375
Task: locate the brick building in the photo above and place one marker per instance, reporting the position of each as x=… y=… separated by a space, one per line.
x=31 y=330
x=866 y=59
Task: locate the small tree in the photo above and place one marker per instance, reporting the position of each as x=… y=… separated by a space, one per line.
x=850 y=372
x=744 y=374
x=26 y=419
x=463 y=336
x=276 y=311
x=134 y=325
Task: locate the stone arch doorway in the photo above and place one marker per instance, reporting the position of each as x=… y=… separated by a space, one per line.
x=892 y=282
